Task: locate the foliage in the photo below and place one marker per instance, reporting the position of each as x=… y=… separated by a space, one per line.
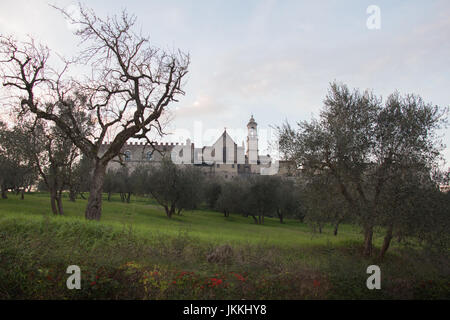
x=175 y=188
x=360 y=144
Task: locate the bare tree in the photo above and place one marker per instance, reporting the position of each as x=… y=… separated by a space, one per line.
x=126 y=90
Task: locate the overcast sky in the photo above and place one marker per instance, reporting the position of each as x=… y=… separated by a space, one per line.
x=273 y=59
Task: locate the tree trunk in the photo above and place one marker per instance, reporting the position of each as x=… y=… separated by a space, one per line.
x=82 y=196
x=129 y=198
x=254 y=219
x=72 y=195
x=280 y=215
x=59 y=203
x=94 y=206
x=336 y=226
x=53 y=202
x=368 y=235
x=167 y=211
x=172 y=210
x=22 y=194
x=109 y=196
x=4 y=195
x=387 y=241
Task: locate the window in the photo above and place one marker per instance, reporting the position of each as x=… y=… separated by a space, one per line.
x=218 y=165
x=127 y=155
x=148 y=156
x=232 y=166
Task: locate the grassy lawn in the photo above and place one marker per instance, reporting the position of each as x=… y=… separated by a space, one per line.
x=136 y=252
x=148 y=218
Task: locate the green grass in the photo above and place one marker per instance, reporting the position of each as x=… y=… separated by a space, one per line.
x=147 y=218
x=119 y=255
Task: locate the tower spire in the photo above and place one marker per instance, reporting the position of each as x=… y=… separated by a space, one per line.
x=252 y=141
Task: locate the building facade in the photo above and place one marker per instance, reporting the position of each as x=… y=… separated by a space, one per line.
x=224 y=158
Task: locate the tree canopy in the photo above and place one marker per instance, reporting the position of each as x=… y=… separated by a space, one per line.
x=362 y=143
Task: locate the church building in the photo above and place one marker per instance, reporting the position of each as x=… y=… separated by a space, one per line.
x=224 y=158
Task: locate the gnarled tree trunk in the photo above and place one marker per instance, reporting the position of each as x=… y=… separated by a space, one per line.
x=336 y=227
x=368 y=235
x=72 y=195
x=94 y=206
x=280 y=215
x=53 y=202
x=59 y=203
x=387 y=241
x=4 y=195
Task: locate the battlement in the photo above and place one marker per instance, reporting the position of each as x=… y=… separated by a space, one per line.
x=155 y=143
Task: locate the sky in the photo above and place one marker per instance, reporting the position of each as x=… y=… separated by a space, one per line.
x=273 y=59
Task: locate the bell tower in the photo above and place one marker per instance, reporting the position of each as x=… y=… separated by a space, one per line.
x=252 y=142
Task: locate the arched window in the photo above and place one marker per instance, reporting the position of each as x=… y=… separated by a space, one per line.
x=148 y=156
x=127 y=155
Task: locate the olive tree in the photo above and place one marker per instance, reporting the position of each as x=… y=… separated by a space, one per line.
x=126 y=86
x=17 y=169
x=362 y=143
x=289 y=200
x=175 y=188
x=230 y=197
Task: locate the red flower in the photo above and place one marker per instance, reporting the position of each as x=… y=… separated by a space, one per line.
x=239 y=277
x=93 y=283
x=215 y=282
x=316 y=283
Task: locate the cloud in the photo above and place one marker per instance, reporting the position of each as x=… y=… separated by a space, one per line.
x=203 y=105
x=274 y=58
